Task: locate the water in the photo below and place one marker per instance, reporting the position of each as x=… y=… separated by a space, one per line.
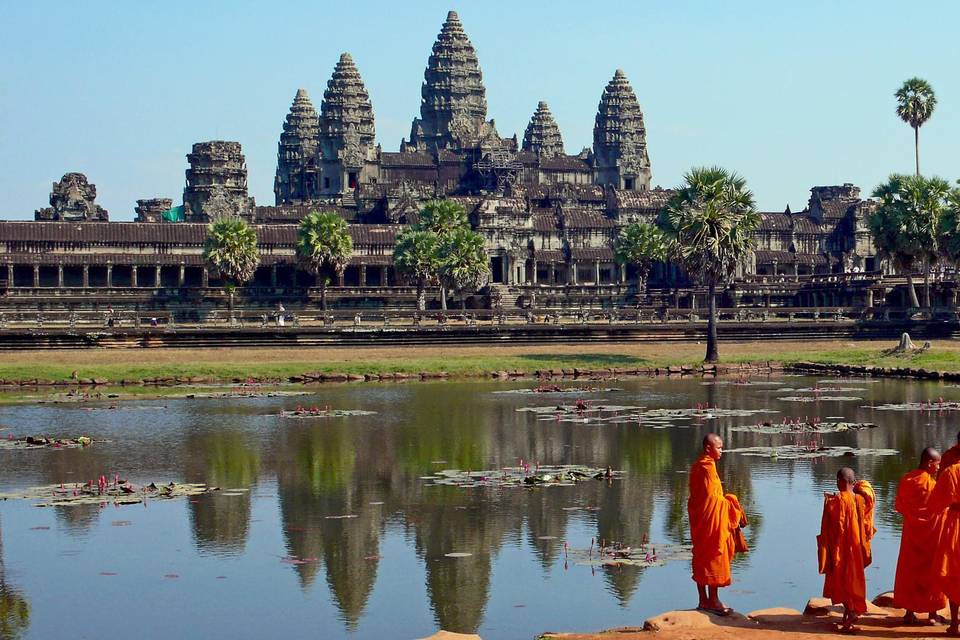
x=219 y=566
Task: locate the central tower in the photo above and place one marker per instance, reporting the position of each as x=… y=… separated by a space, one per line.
x=453 y=104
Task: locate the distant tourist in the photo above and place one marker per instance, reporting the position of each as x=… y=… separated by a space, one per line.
x=281 y=319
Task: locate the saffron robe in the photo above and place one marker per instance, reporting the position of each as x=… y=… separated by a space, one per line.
x=715 y=522
x=945 y=501
x=914 y=588
x=846 y=530
x=950 y=457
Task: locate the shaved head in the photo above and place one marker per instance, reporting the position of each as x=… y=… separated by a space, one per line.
x=846 y=475
x=929 y=454
x=713 y=445
x=711 y=438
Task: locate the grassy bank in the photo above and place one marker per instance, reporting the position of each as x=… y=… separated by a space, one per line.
x=228 y=364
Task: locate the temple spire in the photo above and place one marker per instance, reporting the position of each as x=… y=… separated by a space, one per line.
x=542 y=136
x=346 y=128
x=297 y=153
x=619 y=138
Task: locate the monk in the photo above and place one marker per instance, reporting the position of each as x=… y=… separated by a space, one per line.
x=951 y=456
x=843 y=546
x=945 y=501
x=715 y=528
x=913 y=589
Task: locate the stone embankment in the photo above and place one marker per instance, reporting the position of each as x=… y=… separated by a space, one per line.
x=765 y=368
x=819 y=368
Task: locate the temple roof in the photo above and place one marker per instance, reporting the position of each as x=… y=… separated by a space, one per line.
x=618 y=128
x=542 y=136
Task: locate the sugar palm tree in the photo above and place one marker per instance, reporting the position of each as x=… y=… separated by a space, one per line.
x=230 y=249
x=463 y=263
x=324 y=242
x=442 y=217
x=950 y=228
x=416 y=255
x=915 y=104
x=641 y=244
x=710 y=220
x=907 y=226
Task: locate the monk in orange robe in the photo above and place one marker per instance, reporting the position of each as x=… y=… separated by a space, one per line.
x=945 y=500
x=716 y=520
x=843 y=545
x=951 y=456
x=913 y=589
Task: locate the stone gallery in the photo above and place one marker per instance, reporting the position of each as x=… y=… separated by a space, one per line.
x=549 y=218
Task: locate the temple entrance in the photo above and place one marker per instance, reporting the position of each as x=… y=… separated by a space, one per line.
x=496 y=269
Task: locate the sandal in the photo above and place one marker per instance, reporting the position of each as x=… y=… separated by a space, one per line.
x=723 y=613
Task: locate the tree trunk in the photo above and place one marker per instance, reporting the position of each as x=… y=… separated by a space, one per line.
x=443 y=297
x=712 y=354
x=463 y=303
x=914 y=302
x=421 y=299
x=926 y=283
x=323 y=293
x=230 y=306
x=916 y=146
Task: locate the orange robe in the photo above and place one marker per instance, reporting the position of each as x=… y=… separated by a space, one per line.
x=914 y=588
x=950 y=457
x=945 y=500
x=715 y=521
x=844 y=546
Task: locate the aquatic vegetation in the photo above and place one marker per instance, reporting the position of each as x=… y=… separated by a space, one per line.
x=818 y=398
x=555 y=389
x=45 y=442
x=522 y=476
x=809 y=452
x=102 y=491
x=586 y=412
x=326 y=412
x=615 y=554
x=931 y=405
x=803 y=426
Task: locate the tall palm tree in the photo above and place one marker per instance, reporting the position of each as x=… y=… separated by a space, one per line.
x=463 y=263
x=416 y=255
x=907 y=226
x=641 y=244
x=915 y=104
x=230 y=248
x=442 y=217
x=711 y=219
x=950 y=228
x=323 y=241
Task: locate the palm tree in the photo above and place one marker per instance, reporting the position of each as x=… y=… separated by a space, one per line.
x=906 y=225
x=323 y=241
x=710 y=220
x=416 y=255
x=915 y=104
x=442 y=217
x=463 y=263
x=950 y=228
x=231 y=249
x=641 y=244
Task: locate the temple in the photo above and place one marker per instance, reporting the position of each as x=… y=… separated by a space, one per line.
x=549 y=217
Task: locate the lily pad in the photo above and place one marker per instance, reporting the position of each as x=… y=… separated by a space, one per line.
x=818 y=398
x=932 y=406
x=542 y=476
x=121 y=493
x=645 y=555
x=457 y=554
x=314 y=412
x=803 y=427
x=800 y=452
x=46 y=442
x=557 y=390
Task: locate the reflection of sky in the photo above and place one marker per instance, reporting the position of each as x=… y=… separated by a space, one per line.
x=377 y=553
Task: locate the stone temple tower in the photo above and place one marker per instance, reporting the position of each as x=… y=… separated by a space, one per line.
x=216 y=182
x=347 y=151
x=453 y=105
x=297 y=171
x=542 y=136
x=620 y=139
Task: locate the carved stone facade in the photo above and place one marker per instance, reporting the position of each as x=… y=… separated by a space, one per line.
x=72 y=200
x=216 y=182
x=620 y=138
x=347 y=131
x=542 y=136
x=298 y=171
x=152 y=210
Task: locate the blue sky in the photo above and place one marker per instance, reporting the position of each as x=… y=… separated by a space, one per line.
x=791 y=95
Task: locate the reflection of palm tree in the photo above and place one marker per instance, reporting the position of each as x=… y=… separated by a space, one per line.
x=224 y=459
x=14 y=608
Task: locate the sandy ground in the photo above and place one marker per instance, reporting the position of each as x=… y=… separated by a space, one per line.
x=820 y=621
x=355 y=354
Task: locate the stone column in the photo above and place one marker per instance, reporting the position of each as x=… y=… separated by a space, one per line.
x=156 y=276
x=693 y=301
x=553 y=274
x=273 y=275
x=573 y=273
x=60 y=276
x=340 y=277
x=205 y=277
x=533 y=277
x=182 y=276
x=363 y=275
x=36 y=276
x=109 y=276
x=9 y=275
x=384 y=272
x=86 y=276
x=622 y=270
x=870 y=297
x=506 y=269
x=133 y=276
x=596 y=272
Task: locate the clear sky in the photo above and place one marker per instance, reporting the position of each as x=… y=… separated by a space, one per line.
x=791 y=95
